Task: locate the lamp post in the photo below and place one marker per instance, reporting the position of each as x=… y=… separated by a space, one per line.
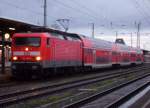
x=5 y=36
x=131 y=39
x=116 y=34
x=3 y=53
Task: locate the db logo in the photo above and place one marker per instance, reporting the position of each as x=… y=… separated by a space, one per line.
x=26 y=53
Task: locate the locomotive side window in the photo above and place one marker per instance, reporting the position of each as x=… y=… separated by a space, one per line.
x=58 y=36
x=61 y=37
x=75 y=39
x=72 y=38
x=48 y=42
x=27 y=41
x=69 y=38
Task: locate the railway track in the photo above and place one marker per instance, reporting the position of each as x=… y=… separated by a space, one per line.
x=13 y=83
x=5 y=78
x=114 y=103
x=18 y=96
x=8 y=84
x=128 y=96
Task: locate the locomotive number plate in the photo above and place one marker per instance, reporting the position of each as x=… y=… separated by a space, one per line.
x=26 y=53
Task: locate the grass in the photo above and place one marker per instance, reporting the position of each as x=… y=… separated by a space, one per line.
x=45 y=100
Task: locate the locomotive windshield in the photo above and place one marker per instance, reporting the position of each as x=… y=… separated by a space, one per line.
x=27 y=41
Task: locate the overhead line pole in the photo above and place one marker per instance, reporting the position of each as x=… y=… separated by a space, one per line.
x=131 y=39
x=3 y=53
x=116 y=35
x=138 y=34
x=93 y=29
x=139 y=27
x=45 y=13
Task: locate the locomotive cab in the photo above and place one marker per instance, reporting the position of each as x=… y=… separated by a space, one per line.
x=27 y=54
x=40 y=54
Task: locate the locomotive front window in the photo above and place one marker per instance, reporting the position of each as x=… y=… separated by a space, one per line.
x=27 y=41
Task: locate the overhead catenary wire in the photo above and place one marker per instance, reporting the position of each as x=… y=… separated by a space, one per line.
x=140 y=11
x=87 y=9
x=91 y=11
x=19 y=7
x=51 y=4
x=77 y=10
x=30 y=10
x=146 y=4
x=82 y=9
x=26 y=9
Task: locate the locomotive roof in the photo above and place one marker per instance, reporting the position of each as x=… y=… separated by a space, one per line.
x=48 y=30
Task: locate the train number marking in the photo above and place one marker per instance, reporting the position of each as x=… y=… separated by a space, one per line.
x=26 y=53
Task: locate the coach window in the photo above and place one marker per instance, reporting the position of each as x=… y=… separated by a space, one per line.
x=48 y=42
x=133 y=55
x=114 y=53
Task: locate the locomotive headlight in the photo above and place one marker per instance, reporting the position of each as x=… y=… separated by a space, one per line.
x=15 y=58
x=38 y=58
x=26 y=49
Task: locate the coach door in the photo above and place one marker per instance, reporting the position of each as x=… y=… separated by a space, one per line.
x=94 y=56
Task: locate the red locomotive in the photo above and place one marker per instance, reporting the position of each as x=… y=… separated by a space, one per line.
x=41 y=53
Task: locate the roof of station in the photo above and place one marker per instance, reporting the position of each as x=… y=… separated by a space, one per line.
x=12 y=26
x=18 y=26
x=5 y=24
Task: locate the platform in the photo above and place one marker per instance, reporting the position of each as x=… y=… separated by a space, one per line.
x=7 y=64
x=7 y=75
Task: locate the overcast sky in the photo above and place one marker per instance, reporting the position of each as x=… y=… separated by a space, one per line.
x=109 y=16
